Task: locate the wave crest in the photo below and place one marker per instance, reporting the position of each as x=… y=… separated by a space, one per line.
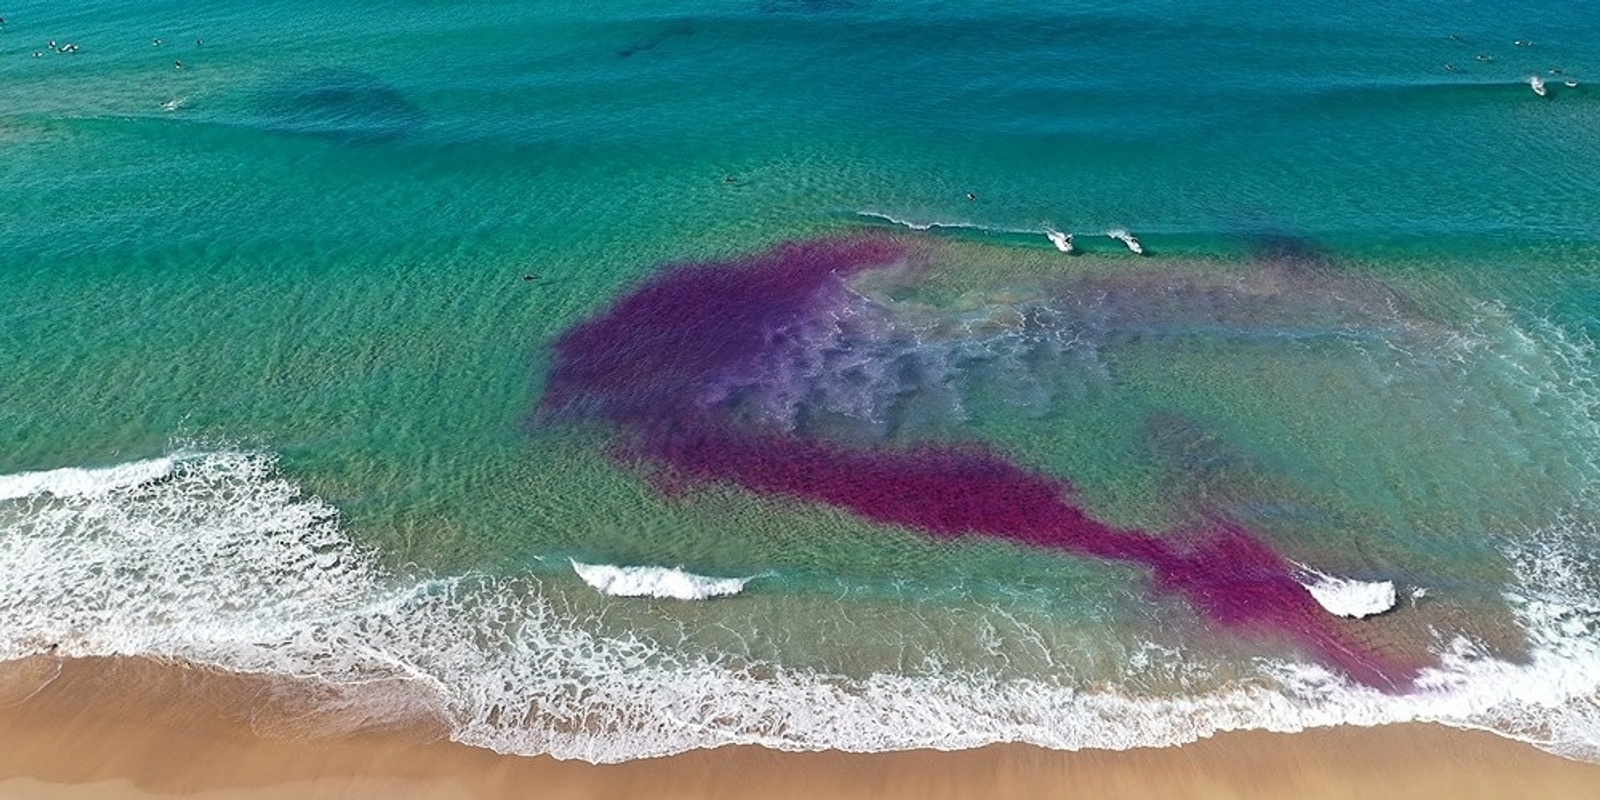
x=1347 y=597
x=74 y=481
x=663 y=582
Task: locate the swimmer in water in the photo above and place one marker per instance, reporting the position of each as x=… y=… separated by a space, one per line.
x=972 y=198
x=177 y=64
x=155 y=42
x=1450 y=68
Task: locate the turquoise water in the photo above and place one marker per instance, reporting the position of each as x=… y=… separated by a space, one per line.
x=287 y=280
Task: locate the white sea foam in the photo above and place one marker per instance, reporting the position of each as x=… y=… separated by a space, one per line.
x=71 y=481
x=916 y=226
x=1347 y=597
x=670 y=583
x=937 y=225
x=223 y=561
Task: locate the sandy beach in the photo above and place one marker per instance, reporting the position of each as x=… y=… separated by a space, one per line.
x=127 y=729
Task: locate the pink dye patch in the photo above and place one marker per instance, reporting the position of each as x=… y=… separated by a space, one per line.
x=642 y=365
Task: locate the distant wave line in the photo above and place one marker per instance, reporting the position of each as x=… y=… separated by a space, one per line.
x=944 y=224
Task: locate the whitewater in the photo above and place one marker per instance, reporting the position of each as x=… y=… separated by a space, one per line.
x=217 y=558
x=662 y=582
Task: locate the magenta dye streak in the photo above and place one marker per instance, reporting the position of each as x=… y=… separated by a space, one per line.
x=642 y=364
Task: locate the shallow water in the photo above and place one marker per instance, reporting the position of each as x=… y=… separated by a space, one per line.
x=294 y=268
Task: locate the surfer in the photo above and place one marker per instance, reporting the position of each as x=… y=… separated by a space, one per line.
x=1127 y=239
x=1062 y=241
x=972 y=198
x=155 y=42
x=1449 y=68
x=176 y=64
x=530 y=277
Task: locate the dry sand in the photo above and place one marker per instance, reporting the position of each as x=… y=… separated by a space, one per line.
x=132 y=729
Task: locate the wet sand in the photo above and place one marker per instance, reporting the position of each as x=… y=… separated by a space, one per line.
x=134 y=729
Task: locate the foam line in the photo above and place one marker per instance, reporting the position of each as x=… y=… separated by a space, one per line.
x=940 y=225
x=228 y=563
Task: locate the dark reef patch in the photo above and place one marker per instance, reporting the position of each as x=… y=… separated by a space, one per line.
x=676 y=30
x=338 y=104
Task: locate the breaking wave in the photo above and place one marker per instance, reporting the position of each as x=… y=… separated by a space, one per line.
x=221 y=560
x=1346 y=597
x=70 y=481
x=664 y=582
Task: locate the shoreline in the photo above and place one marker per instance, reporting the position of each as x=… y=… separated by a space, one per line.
x=124 y=728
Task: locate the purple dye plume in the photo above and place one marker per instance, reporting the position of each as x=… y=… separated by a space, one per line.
x=654 y=366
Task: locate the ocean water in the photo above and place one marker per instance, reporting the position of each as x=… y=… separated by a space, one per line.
x=803 y=433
